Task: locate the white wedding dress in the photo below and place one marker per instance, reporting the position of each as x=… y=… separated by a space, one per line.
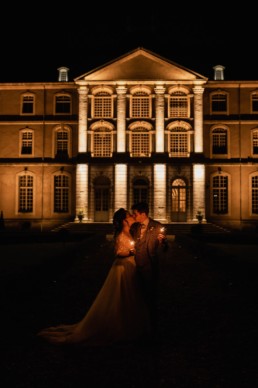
x=117 y=314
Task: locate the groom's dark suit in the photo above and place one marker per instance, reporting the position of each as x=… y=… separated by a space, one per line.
x=148 y=249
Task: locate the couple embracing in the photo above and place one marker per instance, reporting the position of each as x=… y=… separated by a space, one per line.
x=125 y=309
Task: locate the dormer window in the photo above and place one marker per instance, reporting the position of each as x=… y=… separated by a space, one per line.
x=218 y=73
x=63 y=74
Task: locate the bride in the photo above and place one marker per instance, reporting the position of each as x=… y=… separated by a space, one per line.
x=118 y=312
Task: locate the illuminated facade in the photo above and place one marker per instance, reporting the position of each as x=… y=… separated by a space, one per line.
x=138 y=128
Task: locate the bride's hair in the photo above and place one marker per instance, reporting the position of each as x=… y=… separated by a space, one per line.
x=118 y=218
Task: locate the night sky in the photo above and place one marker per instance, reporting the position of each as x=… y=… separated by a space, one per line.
x=35 y=42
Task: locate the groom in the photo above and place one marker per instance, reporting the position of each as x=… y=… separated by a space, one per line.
x=150 y=241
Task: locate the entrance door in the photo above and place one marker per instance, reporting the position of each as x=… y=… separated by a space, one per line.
x=140 y=190
x=178 y=193
x=101 y=197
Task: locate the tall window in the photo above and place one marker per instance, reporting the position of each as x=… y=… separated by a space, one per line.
x=140 y=190
x=179 y=140
x=178 y=195
x=63 y=104
x=102 y=105
x=102 y=140
x=62 y=142
x=26 y=142
x=61 y=193
x=220 y=194
x=140 y=102
x=219 y=141
x=254 y=102
x=140 y=140
x=255 y=194
x=219 y=103
x=179 y=103
x=25 y=193
x=28 y=104
x=255 y=142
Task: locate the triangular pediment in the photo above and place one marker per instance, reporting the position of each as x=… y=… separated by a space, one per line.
x=141 y=64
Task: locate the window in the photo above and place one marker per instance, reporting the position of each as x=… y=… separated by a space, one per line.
x=25 y=194
x=179 y=140
x=26 y=142
x=254 y=194
x=220 y=194
x=219 y=141
x=140 y=102
x=102 y=140
x=255 y=142
x=102 y=187
x=254 y=102
x=219 y=103
x=179 y=103
x=178 y=196
x=62 y=142
x=140 y=190
x=63 y=104
x=140 y=140
x=102 y=105
x=28 y=104
x=61 y=193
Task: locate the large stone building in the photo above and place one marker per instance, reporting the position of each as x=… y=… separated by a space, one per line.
x=138 y=128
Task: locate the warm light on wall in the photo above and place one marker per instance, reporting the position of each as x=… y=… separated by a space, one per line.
x=199 y=172
x=159 y=175
x=198 y=189
x=82 y=189
x=120 y=186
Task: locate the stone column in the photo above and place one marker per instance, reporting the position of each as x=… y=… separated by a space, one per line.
x=121 y=118
x=159 y=107
x=82 y=191
x=159 y=192
x=199 y=190
x=83 y=116
x=198 y=118
x=120 y=183
x=198 y=169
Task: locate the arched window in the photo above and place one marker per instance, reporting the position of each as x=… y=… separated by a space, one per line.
x=140 y=139
x=102 y=139
x=178 y=200
x=178 y=195
x=178 y=103
x=140 y=102
x=179 y=139
x=102 y=102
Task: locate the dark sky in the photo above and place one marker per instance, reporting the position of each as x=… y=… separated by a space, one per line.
x=35 y=43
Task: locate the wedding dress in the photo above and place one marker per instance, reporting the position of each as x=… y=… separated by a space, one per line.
x=118 y=313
